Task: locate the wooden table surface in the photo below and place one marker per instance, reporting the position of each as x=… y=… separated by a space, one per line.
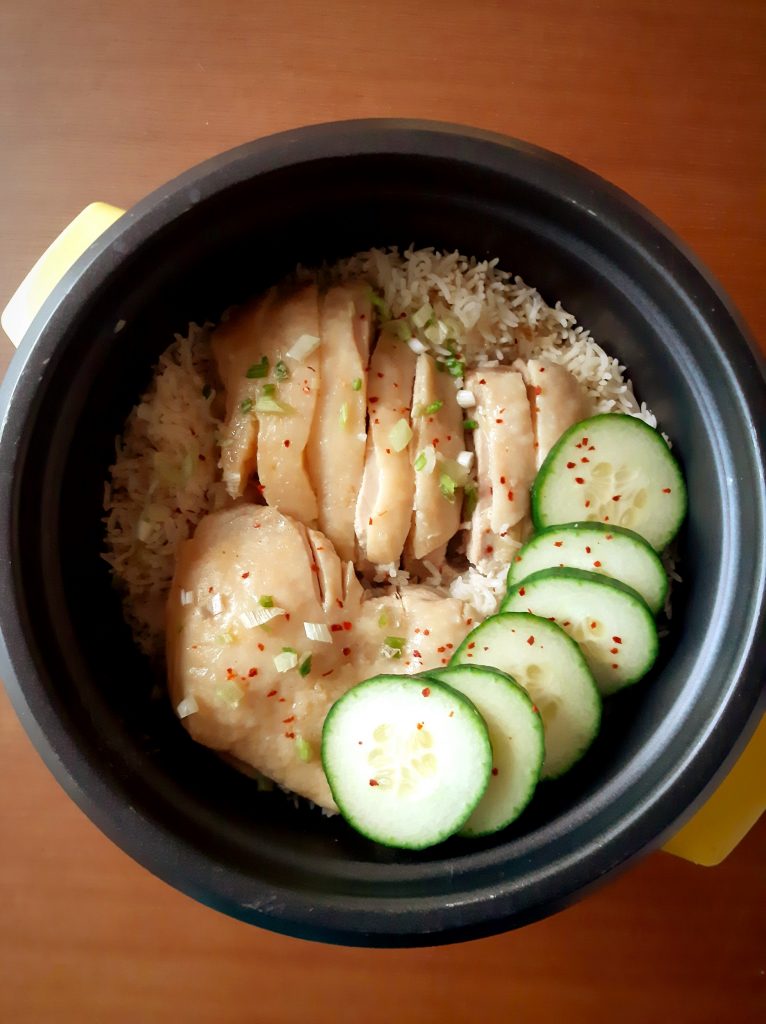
x=106 y=100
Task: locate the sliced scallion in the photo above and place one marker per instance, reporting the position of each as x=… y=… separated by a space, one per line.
x=356 y=384
x=246 y=405
x=447 y=486
x=281 y=371
x=305 y=666
x=267 y=601
x=343 y=414
x=470 y=424
x=400 y=435
x=303 y=748
x=423 y=315
x=259 y=369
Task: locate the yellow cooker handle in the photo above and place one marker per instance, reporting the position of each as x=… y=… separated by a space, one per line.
x=729 y=813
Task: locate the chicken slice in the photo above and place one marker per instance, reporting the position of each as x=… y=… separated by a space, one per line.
x=283 y=436
x=505 y=460
x=384 y=505
x=557 y=401
x=436 y=515
x=236 y=347
x=336 y=446
x=222 y=663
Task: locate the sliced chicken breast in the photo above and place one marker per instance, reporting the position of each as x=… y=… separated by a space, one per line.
x=437 y=421
x=283 y=436
x=236 y=346
x=505 y=460
x=337 y=443
x=557 y=402
x=268 y=714
x=384 y=506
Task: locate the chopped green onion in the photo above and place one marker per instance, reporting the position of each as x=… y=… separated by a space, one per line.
x=343 y=414
x=397 y=642
x=246 y=405
x=441 y=366
x=432 y=332
x=207 y=391
x=380 y=306
x=400 y=328
x=420 y=462
x=382 y=620
x=400 y=435
x=303 y=347
x=447 y=486
x=426 y=460
x=224 y=639
x=470 y=424
x=432 y=407
x=456 y=367
x=423 y=315
x=305 y=666
x=269 y=390
x=303 y=748
x=259 y=369
x=285 y=661
x=267 y=601
x=268 y=404
x=281 y=371
x=289 y=650
x=470 y=497
x=230 y=693
x=356 y=384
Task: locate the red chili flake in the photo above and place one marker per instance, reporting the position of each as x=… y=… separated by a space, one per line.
x=290 y=735
x=489 y=549
x=374 y=782
x=373 y=400
x=369 y=521
x=510 y=495
x=536 y=709
x=449 y=646
x=609 y=537
x=584 y=442
x=440 y=650
x=338 y=602
x=245 y=575
x=558 y=543
x=482 y=381
x=469 y=655
x=336 y=628
x=328 y=673
x=202 y=458
x=388 y=451
x=471 y=645
x=260 y=488
x=614 y=665
x=380 y=375
x=584 y=459
x=346 y=652
x=567 y=623
x=597 y=564
x=498 y=421
x=530 y=640
x=420 y=725
x=261 y=647
x=587 y=551
x=579 y=480
x=666 y=490
x=426 y=632
x=347 y=625
x=286 y=442
x=551 y=618
x=468 y=622
x=606 y=519
x=435 y=442
x=252 y=672
x=445 y=661
x=517 y=558
x=376 y=421
x=287 y=616
x=314 y=567
x=538 y=390
x=617 y=639
x=616 y=497
x=426 y=691
x=592 y=448
x=416 y=654
x=451 y=714
x=570 y=465
x=502 y=479
x=522 y=592
x=587 y=504
x=613 y=650
x=494 y=771
x=286 y=721
x=230 y=673
x=593 y=625
x=271 y=693
x=281 y=700
x=449 y=437
x=542 y=369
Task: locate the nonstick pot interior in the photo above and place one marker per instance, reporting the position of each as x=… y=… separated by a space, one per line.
x=222 y=233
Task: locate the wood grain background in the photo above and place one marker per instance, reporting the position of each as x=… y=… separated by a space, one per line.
x=106 y=100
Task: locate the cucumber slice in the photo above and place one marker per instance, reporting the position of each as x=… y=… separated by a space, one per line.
x=518 y=747
x=613 y=469
x=595 y=547
x=551 y=668
x=407 y=759
x=612 y=624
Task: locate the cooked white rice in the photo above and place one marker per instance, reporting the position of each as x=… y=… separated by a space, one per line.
x=165 y=477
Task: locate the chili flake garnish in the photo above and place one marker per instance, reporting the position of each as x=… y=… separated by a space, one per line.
x=556 y=544
x=494 y=771
x=253 y=672
x=286 y=442
x=666 y=490
x=374 y=782
x=346 y=652
x=336 y=628
x=530 y=640
x=347 y=625
x=510 y=495
x=522 y=592
x=426 y=691
x=617 y=639
x=290 y=735
x=502 y=479
x=587 y=550
x=579 y=480
x=616 y=497
x=271 y=693
x=570 y=465
x=597 y=564
x=286 y=721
